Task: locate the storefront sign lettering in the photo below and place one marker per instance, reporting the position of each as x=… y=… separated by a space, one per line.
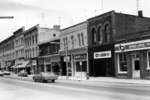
x=103 y=54
x=80 y=57
x=132 y=46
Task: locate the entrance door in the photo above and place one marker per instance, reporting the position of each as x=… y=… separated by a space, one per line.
x=136 y=66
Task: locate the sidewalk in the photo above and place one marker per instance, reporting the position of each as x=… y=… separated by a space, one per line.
x=91 y=80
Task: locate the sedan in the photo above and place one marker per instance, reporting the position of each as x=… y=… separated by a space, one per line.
x=6 y=73
x=23 y=73
x=1 y=73
x=44 y=77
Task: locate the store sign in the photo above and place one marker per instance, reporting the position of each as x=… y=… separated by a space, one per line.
x=130 y=46
x=47 y=60
x=80 y=57
x=103 y=54
x=67 y=59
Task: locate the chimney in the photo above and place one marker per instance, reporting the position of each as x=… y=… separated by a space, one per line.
x=56 y=27
x=140 y=13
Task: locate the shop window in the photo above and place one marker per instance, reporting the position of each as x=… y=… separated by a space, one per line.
x=122 y=63
x=81 y=66
x=48 y=67
x=148 y=60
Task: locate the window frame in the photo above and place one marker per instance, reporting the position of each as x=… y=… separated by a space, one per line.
x=94 y=35
x=118 y=64
x=148 y=61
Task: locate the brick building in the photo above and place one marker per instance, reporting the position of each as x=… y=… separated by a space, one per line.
x=132 y=56
x=103 y=32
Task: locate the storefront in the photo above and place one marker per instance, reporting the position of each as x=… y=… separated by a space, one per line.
x=101 y=61
x=132 y=59
x=66 y=66
x=80 y=65
x=50 y=63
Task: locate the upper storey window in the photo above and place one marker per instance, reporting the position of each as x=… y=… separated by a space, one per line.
x=107 y=32
x=93 y=31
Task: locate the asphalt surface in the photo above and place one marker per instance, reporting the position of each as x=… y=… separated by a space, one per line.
x=12 y=89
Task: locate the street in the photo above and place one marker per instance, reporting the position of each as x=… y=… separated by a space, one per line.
x=25 y=90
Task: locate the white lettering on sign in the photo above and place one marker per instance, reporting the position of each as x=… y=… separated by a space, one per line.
x=103 y=54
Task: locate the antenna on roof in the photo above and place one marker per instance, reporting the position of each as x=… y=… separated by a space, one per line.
x=43 y=18
x=102 y=5
x=59 y=20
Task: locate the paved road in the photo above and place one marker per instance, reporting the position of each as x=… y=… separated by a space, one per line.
x=11 y=89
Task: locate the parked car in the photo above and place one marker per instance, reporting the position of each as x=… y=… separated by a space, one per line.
x=6 y=72
x=23 y=73
x=1 y=73
x=45 y=76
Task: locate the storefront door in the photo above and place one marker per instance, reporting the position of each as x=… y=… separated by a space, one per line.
x=136 y=65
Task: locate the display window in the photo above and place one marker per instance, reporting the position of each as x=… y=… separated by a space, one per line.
x=122 y=63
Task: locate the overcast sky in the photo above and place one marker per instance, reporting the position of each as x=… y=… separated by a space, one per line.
x=64 y=12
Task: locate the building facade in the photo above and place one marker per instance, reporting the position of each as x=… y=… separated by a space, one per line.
x=73 y=51
x=7 y=54
x=132 y=56
x=104 y=31
x=20 y=63
x=49 y=45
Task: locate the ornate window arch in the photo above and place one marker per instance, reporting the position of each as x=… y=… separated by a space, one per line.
x=100 y=33
x=94 y=35
x=106 y=31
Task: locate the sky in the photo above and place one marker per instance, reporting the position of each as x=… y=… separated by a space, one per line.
x=60 y=12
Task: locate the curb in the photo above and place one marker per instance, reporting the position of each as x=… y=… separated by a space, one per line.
x=120 y=81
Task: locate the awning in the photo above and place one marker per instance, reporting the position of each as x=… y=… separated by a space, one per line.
x=23 y=65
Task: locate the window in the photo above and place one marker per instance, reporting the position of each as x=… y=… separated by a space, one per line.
x=54 y=35
x=72 y=40
x=94 y=35
x=81 y=66
x=33 y=52
x=82 y=38
x=64 y=42
x=36 y=39
x=122 y=63
x=148 y=60
x=99 y=34
x=33 y=39
x=79 y=39
x=106 y=32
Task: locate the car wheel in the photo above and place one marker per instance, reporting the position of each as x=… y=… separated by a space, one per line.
x=53 y=81
x=34 y=79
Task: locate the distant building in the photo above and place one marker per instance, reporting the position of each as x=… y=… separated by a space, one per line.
x=7 y=55
x=49 y=45
x=33 y=37
x=19 y=49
